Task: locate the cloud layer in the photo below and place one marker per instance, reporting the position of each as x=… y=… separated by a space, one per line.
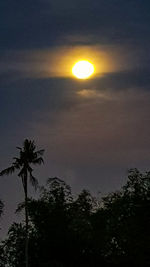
x=93 y=131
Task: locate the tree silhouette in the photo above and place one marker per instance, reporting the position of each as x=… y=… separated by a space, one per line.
x=127 y=220
x=28 y=156
x=78 y=231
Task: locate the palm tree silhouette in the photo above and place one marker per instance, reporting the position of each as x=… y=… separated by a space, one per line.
x=28 y=156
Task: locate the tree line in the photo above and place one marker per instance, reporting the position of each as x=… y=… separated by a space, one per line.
x=63 y=230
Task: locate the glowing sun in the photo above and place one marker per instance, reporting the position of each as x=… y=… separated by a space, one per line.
x=83 y=69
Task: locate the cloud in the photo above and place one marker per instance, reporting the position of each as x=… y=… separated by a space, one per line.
x=92 y=94
x=42 y=24
x=92 y=131
x=58 y=61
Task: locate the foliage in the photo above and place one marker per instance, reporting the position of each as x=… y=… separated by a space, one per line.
x=27 y=157
x=73 y=231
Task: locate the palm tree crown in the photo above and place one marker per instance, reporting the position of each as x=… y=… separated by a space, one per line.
x=27 y=157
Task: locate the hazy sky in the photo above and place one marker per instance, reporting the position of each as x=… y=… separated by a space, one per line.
x=93 y=131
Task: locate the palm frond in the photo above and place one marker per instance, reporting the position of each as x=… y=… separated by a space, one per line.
x=22 y=172
x=28 y=145
x=17 y=164
x=18 y=147
x=18 y=160
x=8 y=171
x=40 y=152
x=33 y=181
x=38 y=161
x=20 y=207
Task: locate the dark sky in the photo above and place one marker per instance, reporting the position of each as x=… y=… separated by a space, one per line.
x=94 y=130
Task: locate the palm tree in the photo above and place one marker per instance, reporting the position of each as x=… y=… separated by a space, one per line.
x=28 y=156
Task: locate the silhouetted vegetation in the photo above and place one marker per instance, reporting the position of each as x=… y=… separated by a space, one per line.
x=69 y=231
x=23 y=165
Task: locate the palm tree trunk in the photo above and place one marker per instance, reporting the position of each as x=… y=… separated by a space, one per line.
x=26 y=221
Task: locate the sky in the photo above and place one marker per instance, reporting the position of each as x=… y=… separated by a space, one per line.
x=92 y=130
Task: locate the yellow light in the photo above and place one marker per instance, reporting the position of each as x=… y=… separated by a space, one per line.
x=83 y=69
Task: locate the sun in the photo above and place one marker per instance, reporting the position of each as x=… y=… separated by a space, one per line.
x=83 y=69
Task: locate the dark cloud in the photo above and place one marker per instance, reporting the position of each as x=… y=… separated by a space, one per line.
x=28 y=24
x=126 y=80
x=24 y=101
